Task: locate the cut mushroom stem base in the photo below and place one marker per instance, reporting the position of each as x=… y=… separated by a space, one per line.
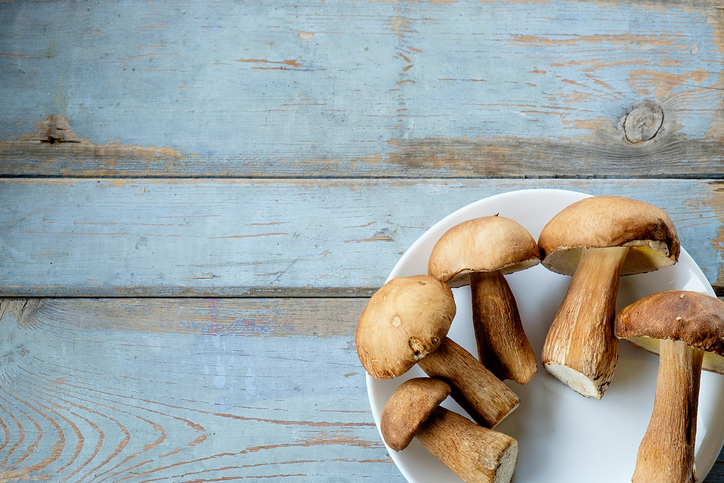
x=485 y=398
x=474 y=453
x=666 y=453
x=502 y=344
x=580 y=349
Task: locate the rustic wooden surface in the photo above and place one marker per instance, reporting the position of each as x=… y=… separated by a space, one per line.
x=197 y=198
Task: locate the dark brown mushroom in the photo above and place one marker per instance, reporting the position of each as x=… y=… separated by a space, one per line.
x=687 y=330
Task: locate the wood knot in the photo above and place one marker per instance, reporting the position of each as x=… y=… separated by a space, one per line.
x=643 y=123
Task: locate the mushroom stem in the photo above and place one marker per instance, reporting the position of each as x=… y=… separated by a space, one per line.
x=666 y=453
x=502 y=344
x=474 y=453
x=580 y=348
x=485 y=398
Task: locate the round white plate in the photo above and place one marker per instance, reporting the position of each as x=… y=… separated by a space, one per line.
x=563 y=436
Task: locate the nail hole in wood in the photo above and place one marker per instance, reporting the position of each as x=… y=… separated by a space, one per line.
x=52 y=140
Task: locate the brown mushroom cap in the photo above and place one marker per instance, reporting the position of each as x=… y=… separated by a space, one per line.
x=693 y=317
x=484 y=244
x=409 y=405
x=404 y=321
x=610 y=221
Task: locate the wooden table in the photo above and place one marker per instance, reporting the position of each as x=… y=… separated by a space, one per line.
x=197 y=199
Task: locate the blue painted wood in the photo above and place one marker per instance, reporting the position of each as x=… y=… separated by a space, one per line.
x=203 y=390
x=344 y=88
x=246 y=238
x=176 y=396
x=187 y=390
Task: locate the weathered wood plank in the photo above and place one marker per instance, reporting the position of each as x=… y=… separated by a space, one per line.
x=279 y=238
x=361 y=89
x=181 y=390
x=187 y=390
x=717 y=471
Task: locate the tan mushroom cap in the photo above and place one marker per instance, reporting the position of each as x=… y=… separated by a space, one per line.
x=404 y=321
x=610 y=221
x=409 y=405
x=693 y=317
x=484 y=244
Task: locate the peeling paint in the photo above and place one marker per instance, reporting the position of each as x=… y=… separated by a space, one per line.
x=54 y=139
x=647 y=82
x=511 y=83
x=292 y=63
x=715 y=197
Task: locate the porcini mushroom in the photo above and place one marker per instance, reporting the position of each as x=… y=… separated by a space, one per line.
x=479 y=252
x=597 y=240
x=406 y=322
x=687 y=330
x=474 y=453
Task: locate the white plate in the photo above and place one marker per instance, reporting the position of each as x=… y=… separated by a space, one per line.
x=563 y=436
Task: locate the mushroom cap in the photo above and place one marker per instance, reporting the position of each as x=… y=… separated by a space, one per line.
x=610 y=221
x=484 y=244
x=408 y=406
x=404 y=321
x=693 y=317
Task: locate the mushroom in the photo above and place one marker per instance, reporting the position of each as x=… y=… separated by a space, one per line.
x=597 y=240
x=406 y=322
x=687 y=330
x=478 y=253
x=474 y=453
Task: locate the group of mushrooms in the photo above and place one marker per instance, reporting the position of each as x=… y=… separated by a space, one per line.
x=595 y=240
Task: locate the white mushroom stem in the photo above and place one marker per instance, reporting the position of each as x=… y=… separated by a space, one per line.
x=502 y=344
x=666 y=453
x=474 y=453
x=485 y=398
x=580 y=348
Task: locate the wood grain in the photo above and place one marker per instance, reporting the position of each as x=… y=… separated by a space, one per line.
x=359 y=89
x=130 y=237
x=265 y=164
x=187 y=391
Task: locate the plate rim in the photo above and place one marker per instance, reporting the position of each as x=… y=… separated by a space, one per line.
x=455 y=217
